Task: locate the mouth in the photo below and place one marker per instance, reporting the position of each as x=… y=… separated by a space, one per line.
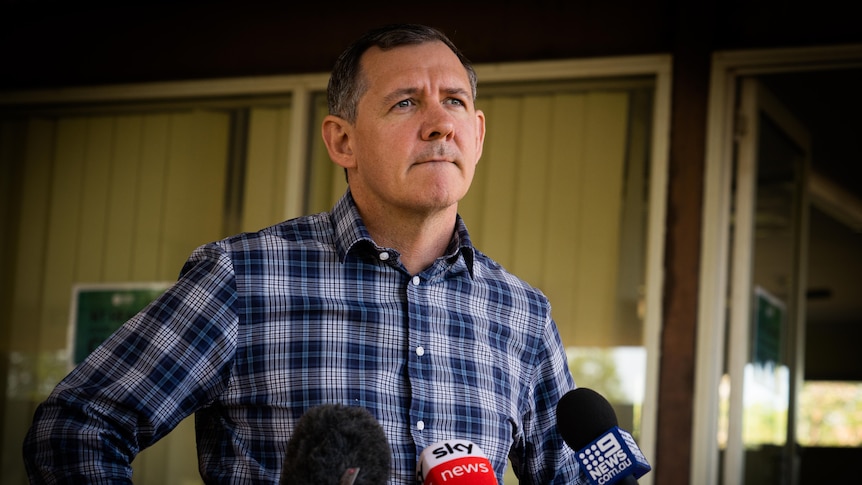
x=435 y=163
x=439 y=154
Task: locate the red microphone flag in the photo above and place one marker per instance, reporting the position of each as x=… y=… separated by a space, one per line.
x=454 y=462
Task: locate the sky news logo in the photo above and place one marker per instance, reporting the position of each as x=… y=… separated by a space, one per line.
x=454 y=462
x=463 y=468
x=453 y=448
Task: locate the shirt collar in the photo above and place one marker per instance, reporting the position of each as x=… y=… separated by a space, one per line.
x=352 y=235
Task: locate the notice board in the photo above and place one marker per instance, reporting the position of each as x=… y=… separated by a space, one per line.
x=98 y=310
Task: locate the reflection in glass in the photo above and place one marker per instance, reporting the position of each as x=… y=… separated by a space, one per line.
x=618 y=374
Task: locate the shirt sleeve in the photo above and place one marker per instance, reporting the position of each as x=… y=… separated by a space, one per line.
x=545 y=458
x=167 y=361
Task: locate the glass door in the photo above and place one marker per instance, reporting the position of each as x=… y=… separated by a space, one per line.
x=766 y=304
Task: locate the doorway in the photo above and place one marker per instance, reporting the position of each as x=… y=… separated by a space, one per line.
x=818 y=87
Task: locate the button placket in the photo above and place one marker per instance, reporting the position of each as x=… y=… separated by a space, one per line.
x=417 y=328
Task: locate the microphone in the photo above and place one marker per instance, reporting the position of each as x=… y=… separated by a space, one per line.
x=334 y=444
x=606 y=453
x=454 y=462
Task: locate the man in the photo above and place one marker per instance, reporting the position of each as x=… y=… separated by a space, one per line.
x=381 y=303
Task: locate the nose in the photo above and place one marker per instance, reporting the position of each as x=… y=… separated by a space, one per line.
x=438 y=124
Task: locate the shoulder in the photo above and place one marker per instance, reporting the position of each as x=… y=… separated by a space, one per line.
x=309 y=229
x=508 y=287
x=286 y=240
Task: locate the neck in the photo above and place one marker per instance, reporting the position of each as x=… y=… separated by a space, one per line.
x=419 y=238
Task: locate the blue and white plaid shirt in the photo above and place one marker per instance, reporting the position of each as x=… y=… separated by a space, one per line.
x=262 y=326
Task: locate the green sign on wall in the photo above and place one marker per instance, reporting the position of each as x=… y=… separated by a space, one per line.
x=769 y=316
x=99 y=310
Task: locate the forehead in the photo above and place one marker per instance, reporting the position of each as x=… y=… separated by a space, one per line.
x=413 y=64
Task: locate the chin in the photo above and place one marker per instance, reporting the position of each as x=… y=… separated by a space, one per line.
x=440 y=200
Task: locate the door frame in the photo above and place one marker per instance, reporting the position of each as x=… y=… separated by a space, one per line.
x=727 y=68
x=756 y=99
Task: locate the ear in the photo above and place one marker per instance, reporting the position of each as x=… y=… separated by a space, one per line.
x=480 y=133
x=337 y=137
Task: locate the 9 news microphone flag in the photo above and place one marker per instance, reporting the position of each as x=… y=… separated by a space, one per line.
x=612 y=457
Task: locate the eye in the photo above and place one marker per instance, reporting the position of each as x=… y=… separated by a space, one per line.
x=405 y=103
x=455 y=102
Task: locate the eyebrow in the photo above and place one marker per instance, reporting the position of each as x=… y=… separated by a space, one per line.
x=398 y=94
x=460 y=92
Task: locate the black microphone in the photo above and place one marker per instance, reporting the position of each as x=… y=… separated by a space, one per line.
x=334 y=444
x=606 y=453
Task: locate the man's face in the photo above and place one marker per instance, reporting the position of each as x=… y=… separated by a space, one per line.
x=417 y=136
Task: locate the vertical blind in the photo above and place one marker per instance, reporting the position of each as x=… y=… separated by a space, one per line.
x=546 y=201
x=102 y=199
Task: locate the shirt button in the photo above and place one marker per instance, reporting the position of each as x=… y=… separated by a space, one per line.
x=415 y=281
x=420 y=425
x=384 y=256
x=420 y=351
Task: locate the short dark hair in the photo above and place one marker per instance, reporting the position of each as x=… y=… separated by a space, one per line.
x=332 y=438
x=346 y=84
